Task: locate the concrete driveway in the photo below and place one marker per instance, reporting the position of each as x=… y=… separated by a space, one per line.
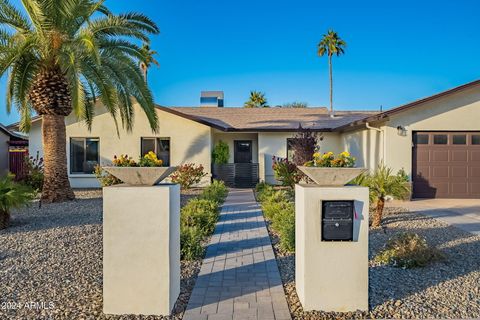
x=461 y=213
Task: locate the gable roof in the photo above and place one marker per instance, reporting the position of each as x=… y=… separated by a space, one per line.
x=267 y=119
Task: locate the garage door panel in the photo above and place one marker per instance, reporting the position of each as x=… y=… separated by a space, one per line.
x=446 y=169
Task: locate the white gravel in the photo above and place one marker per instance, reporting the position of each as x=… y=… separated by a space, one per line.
x=51 y=263
x=449 y=289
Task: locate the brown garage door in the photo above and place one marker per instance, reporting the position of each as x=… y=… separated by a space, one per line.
x=446 y=165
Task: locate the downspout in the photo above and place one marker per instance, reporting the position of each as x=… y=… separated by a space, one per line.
x=368 y=126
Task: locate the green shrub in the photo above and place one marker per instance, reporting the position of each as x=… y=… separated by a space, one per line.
x=286 y=172
x=200 y=213
x=284 y=223
x=263 y=190
x=216 y=191
x=274 y=203
x=190 y=243
x=220 y=153
x=12 y=195
x=188 y=174
x=33 y=173
x=408 y=250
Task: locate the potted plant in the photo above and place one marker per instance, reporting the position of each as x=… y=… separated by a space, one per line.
x=329 y=169
x=148 y=171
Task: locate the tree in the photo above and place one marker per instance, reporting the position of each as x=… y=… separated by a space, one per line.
x=149 y=59
x=295 y=104
x=331 y=44
x=256 y=100
x=382 y=183
x=303 y=145
x=64 y=55
x=12 y=195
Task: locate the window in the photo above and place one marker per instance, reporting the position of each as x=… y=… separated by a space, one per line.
x=476 y=139
x=160 y=146
x=421 y=138
x=440 y=139
x=84 y=155
x=459 y=139
x=290 y=151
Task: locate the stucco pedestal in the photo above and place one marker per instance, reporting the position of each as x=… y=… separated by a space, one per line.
x=330 y=276
x=141 y=249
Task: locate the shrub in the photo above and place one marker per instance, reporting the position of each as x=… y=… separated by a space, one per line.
x=408 y=250
x=328 y=159
x=220 y=153
x=188 y=174
x=304 y=144
x=106 y=179
x=216 y=191
x=200 y=213
x=284 y=223
x=263 y=190
x=12 y=195
x=273 y=203
x=33 y=173
x=286 y=172
x=190 y=243
x=124 y=161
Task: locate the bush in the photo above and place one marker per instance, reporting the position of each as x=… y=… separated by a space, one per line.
x=33 y=173
x=220 y=153
x=188 y=174
x=263 y=190
x=273 y=203
x=284 y=223
x=12 y=195
x=408 y=250
x=216 y=191
x=200 y=213
x=190 y=243
x=286 y=172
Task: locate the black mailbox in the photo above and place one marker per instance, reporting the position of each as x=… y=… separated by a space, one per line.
x=337 y=220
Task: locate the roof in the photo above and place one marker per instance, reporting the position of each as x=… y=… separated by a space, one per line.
x=13 y=134
x=267 y=119
x=411 y=105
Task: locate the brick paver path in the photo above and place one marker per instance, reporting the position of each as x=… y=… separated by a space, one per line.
x=239 y=278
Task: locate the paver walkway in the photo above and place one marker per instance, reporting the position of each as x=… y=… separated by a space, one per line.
x=239 y=278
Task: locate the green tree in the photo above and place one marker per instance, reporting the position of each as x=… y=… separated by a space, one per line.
x=382 y=183
x=295 y=104
x=64 y=55
x=12 y=195
x=331 y=44
x=256 y=100
x=149 y=54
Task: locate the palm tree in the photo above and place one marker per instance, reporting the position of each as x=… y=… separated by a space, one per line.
x=331 y=44
x=256 y=100
x=12 y=195
x=64 y=55
x=383 y=183
x=149 y=59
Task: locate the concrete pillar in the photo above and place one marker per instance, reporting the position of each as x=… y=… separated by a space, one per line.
x=141 y=249
x=330 y=276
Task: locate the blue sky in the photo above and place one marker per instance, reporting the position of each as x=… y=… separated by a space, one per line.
x=397 y=51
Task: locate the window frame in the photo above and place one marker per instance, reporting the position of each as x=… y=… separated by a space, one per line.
x=157 y=140
x=70 y=167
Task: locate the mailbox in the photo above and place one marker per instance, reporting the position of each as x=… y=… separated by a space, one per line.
x=337 y=220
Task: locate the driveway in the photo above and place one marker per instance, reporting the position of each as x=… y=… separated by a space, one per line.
x=461 y=213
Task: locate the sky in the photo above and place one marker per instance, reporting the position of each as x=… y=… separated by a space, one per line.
x=397 y=51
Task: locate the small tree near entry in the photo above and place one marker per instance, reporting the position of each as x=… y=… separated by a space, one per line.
x=304 y=145
x=221 y=153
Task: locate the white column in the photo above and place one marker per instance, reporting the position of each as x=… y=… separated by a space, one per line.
x=330 y=276
x=141 y=249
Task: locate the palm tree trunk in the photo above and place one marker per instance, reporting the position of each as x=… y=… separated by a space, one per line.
x=4 y=219
x=377 y=219
x=331 y=84
x=56 y=187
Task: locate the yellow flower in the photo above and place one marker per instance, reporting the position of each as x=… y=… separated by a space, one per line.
x=345 y=154
x=316 y=155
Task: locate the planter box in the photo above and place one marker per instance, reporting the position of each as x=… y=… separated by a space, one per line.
x=324 y=176
x=146 y=176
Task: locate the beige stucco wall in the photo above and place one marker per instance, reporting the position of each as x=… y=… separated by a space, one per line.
x=275 y=144
x=190 y=142
x=365 y=145
x=229 y=138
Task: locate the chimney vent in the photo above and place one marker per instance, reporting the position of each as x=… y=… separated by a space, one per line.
x=211 y=99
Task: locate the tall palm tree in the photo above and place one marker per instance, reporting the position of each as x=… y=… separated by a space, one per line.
x=64 y=55
x=256 y=100
x=149 y=59
x=331 y=44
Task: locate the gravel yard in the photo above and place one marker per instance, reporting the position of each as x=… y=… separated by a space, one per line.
x=449 y=289
x=51 y=262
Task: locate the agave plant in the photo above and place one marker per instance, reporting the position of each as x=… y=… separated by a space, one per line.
x=12 y=195
x=64 y=55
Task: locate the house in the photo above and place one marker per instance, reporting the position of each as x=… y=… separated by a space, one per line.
x=436 y=140
x=13 y=150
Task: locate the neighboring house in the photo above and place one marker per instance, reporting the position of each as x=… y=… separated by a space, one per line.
x=436 y=140
x=13 y=150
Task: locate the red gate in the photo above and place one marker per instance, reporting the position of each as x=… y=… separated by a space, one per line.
x=17 y=165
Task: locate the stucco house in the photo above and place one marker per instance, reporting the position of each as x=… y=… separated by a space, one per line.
x=436 y=140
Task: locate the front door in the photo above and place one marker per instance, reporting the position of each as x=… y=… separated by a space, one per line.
x=243 y=151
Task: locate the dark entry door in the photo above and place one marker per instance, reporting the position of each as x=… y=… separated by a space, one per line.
x=243 y=151
x=446 y=165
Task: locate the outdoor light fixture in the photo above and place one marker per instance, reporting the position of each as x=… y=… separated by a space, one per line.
x=402 y=131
